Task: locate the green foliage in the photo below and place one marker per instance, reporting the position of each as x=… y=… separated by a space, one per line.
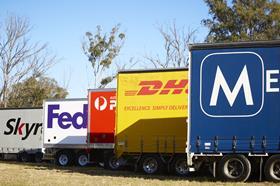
x=243 y=20
x=32 y=92
x=101 y=49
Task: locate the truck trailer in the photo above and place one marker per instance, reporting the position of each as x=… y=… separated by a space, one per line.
x=21 y=134
x=234 y=111
x=65 y=131
x=151 y=119
x=81 y=130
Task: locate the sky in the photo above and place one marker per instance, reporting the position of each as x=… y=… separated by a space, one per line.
x=63 y=23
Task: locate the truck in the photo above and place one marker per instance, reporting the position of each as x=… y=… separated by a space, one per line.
x=101 y=127
x=21 y=134
x=65 y=131
x=233 y=124
x=151 y=119
x=81 y=131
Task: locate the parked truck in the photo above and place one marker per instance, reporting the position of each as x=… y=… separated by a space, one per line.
x=81 y=130
x=151 y=119
x=234 y=113
x=65 y=131
x=21 y=134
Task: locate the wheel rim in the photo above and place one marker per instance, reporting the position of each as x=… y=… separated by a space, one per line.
x=114 y=163
x=83 y=160
x=150 y=165
x=181 y=167
x=234 y=168
x=63 y=159
x=24 y=158
x=275 y=169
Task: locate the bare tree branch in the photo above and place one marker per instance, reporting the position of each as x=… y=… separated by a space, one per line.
x=19 y=58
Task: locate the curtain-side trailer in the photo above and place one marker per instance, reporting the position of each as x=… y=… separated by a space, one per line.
x=234 y=113
x=21 y=134
x=151 y=119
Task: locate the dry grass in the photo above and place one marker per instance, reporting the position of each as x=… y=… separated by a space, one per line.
x=13 y=173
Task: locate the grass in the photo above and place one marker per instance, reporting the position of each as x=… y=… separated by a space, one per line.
x=14 y=173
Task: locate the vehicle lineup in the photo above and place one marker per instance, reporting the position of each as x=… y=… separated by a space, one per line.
x=221 y=113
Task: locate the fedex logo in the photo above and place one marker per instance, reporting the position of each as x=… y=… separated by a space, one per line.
x=101 y=103
x=65 y=120
x=232 y=84
x=153 y=87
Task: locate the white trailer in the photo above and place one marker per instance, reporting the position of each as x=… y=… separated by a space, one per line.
x=65 y=130
x=21 y=133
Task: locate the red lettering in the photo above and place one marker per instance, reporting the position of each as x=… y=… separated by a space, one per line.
x=176 y=87
x=149 y=87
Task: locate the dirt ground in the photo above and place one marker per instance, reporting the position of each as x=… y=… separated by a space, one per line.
x=16 y=173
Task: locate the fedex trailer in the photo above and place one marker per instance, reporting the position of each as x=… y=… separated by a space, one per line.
x=21 y=134
x=65 y=131
x=234 y=113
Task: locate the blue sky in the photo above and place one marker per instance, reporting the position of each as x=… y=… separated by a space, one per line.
x=63 y=23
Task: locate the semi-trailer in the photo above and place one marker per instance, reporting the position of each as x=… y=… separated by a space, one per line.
x=151 y=130
x=81 y=130
x=234 y=111
x=65 y=131
x=21 y=134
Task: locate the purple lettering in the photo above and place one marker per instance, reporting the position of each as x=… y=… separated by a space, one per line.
x=52 y=115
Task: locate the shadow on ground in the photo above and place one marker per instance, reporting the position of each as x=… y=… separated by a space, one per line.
x=96 y=170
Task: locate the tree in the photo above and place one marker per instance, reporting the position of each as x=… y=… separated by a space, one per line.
x=101 y=49
x=243 y=20
x=19 y=57
x=32 y=92
x=176 y=53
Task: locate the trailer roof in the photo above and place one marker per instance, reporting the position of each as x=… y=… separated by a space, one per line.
x=152 y=70
x=249 y=44
x=20 y=108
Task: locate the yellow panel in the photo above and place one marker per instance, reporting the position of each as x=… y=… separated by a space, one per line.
x=151 y=112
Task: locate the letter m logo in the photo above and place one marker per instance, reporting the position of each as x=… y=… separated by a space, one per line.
x=231 y=84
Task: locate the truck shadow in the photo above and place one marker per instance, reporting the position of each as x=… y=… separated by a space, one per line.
x=96 y=170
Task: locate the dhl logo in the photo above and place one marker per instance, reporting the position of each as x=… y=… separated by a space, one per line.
x=158 y=87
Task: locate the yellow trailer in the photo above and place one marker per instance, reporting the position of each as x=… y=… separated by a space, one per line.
x=151 y=119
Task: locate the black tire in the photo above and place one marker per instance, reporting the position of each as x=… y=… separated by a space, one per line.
x=63 y=158
x=111 y=162
x=24 y=157
x=82 y=159
x=179 y=166
x=38 y=157
x=272 y=168
x=234 y=168
x=151 y=164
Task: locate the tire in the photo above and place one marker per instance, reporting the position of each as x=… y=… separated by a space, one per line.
x=38 y=157
x=272 y=168
x=82 y=159
x=112 y=163
x=179 y=166
x=151 y=164
x=24 y=157
x=63 y=158
x=234 y=168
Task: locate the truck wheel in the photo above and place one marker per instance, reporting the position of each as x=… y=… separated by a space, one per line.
x=38 y=157
x=24 y=157
x=151 y=164
x=82 y=159
x=112 y=163
x=179 y=166
x=63 y=158
x=234 y=168
x=272 y=168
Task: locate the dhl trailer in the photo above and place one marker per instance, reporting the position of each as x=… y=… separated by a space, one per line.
x=151 y=129
x=234 y=111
